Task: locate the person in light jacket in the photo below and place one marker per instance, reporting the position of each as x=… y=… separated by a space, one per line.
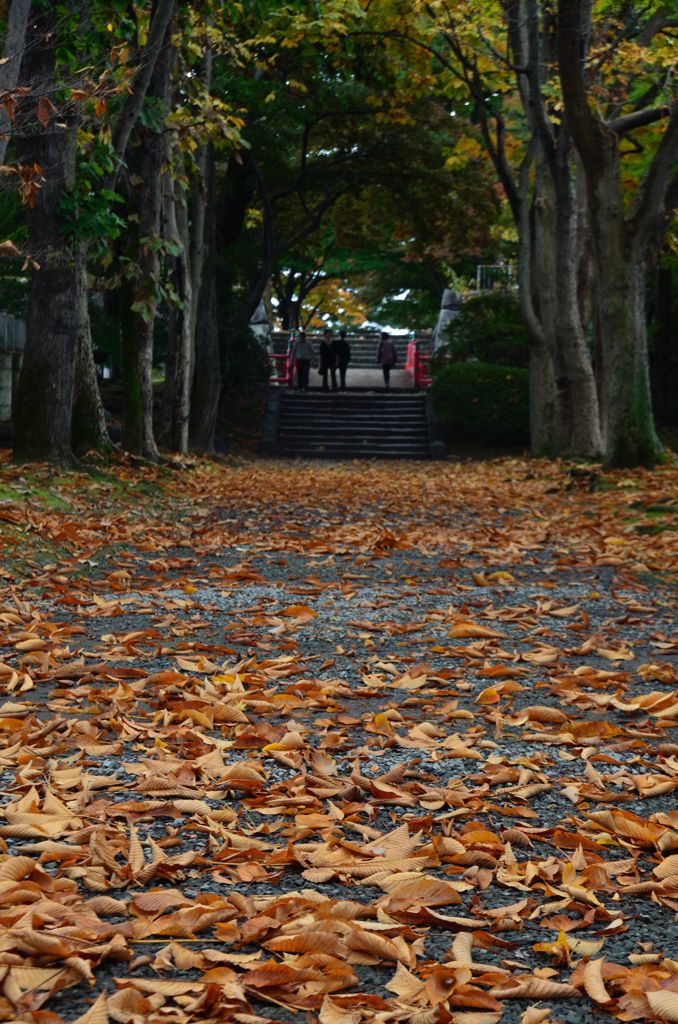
x=302 y=355
x=387 y=357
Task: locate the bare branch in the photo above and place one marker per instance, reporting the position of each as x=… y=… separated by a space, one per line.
x=637 y=119
x=160 y=20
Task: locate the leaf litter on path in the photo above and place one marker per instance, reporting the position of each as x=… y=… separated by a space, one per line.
x=342 y=743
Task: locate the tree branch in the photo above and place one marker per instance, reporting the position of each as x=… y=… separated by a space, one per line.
x=585 y=127
x=160 y=20
x=659 y=180
x=637 y=119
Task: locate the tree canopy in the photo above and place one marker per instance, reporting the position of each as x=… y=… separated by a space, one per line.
x=171 y=166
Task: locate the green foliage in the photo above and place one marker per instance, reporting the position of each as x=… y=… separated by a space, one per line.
x=490 y=328
x=482 y=402
x=247 y=369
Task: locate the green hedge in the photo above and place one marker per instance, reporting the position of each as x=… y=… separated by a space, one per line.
x=489 y=327
x=482 y=401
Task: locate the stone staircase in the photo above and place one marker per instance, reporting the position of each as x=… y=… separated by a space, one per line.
x=352 y=425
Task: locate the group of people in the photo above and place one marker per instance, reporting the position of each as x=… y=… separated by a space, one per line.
x=334 y=354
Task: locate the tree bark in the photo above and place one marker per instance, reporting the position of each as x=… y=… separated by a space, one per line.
x=206 y=383
x=89 y=419
x=186 y=228
x=621 y=277
x=47 y=375
x=15 y=41
x=533 y=290
x=138 y=434
x=622 y=249
x=179 y=362
x=580 y=415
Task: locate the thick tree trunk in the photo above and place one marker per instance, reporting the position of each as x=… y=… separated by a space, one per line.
x=543 y=402
x=620 y=261
x=42 y=412
x=622 y=244
x=630 y=436
x=47 y=372
x=89 y=419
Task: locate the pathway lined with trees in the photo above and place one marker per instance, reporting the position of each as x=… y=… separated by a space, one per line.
x=169 y=166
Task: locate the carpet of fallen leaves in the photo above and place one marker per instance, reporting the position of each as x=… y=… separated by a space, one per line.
x=342 y=743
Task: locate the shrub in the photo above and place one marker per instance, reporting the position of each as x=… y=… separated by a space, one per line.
x=490 y=328
x=482 y=401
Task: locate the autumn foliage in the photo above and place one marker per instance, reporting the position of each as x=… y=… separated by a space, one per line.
x=360 y=743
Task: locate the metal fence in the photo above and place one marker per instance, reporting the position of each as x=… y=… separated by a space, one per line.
x=496 y=275
x=12 y=342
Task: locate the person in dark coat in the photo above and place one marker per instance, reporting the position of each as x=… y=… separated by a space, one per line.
x=387 y=357
x=342 y=356
x=327 y=360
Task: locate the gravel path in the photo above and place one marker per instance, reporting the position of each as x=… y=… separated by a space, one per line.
x=345 y=744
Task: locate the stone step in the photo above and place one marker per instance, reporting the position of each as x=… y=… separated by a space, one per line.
x=382 y=440
x=348 y=452
x=330 y=425
x=351 y=425
x=373 y=402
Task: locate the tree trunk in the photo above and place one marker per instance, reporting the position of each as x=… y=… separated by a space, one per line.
x=183 y=351
x=535 y=285
x=47 y=375
x=664 y=359
x=206 y=384
x=89 y=419
x=580 y=418
x=15 y=41
x=138 y=434
x=620 y=262
x=630 y=436
x=622 y=246
x=179 y=361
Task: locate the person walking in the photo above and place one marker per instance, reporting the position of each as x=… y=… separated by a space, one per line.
x=327 y=360
x=342 y=357
x=387 y=357
x=302 y=355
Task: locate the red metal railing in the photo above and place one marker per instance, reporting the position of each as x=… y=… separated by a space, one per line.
x=418 y=362
x=281 y=368
x=422 y=369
